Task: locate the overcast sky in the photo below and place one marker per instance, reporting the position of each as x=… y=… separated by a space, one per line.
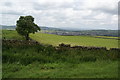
x=75 y=14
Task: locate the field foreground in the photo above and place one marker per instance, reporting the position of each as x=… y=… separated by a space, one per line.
x=23 y=59
x=40 y=61
x=99 y=69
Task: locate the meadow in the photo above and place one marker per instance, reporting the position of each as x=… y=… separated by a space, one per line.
x=75 y=40
x=99 y=69
x=38 y=61
x=45 y=61
x=11 y=34
x=55 y=40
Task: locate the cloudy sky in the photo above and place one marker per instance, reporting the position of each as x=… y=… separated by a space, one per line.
x=70 y=14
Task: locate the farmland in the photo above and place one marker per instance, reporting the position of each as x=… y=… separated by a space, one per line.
x=55 y=40
x=75 y=40
x=45 y=61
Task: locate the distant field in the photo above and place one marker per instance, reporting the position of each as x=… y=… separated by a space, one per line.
x=107 y=37
x=75 y=40
x=57 y=39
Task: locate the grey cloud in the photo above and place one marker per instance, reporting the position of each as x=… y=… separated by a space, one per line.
x=106 y=10
x=12 y=12
x=42 y=6
x=58 y=16
x=48 y=6
x=89 y=17
x=78 y=5
x=49 y=13
x=9 y=4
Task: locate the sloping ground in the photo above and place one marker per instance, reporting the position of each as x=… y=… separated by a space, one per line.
x=56 y=39
x=39 y=61
x=74 y=40
x=11 y=34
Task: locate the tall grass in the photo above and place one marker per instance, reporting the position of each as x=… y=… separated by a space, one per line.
x=44 y=61
x=26 y=54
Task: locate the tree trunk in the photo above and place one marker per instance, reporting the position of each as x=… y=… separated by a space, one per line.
x=27 y=36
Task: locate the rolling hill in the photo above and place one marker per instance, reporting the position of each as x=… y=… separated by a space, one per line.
x=109 y=42
x=58 y=31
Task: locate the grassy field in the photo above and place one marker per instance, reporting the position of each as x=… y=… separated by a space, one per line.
x=109 y=37
x=74 y=40
x=11 y=34
x=44 y=61
x=100 y=69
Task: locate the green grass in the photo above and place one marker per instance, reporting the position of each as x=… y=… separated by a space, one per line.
x=44 y=61
x=99 y=69
x=56 y=39
x=11 y=34
x=74 y=40
x=38 y=61
x=108 y=37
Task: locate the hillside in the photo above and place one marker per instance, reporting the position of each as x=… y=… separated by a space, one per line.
x=26 y=59
x=65 y=32
x=42 y=27
x=97 y=41
x=75 y=40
